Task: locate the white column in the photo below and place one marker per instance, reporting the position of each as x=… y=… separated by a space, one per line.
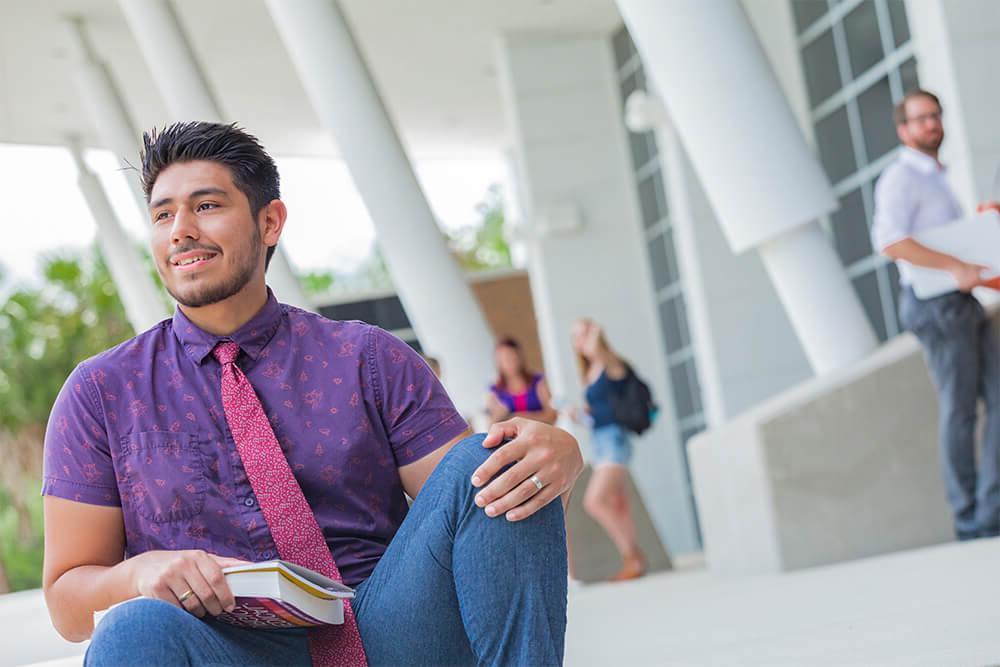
x=760 y=176
x=169 y=56
x=439 y=303
x=105 y=108
x=142 y=300
x=586 y=242
x=744 y=344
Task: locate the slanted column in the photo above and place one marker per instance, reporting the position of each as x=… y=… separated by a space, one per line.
x=142 y=300
x=763 y=181
x=169 y=56
x=138 y=290
x=439 y=303
x=105 y=108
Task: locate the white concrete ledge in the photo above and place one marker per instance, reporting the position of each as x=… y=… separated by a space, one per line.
x=841 y=467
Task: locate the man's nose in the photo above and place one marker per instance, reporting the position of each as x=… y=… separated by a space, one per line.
x=184 y=226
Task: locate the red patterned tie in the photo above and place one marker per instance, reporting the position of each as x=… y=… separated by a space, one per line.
x=293 y=526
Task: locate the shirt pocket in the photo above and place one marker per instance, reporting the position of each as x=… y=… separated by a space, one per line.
x=163 y=476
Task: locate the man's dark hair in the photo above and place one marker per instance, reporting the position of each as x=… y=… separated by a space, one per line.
x=899 y=114
x=252 y=169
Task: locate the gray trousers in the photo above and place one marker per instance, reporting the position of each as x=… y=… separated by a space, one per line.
x=961 y=349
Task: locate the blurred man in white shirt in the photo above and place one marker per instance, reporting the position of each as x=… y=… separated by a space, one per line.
x=959 y=342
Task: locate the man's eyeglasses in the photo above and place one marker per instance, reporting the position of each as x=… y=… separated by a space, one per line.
x=924 y=117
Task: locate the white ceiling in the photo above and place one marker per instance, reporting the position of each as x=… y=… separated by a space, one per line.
x=432 y=60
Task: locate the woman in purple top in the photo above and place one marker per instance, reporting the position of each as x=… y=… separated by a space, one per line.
x=146 y=493
x=518 y=392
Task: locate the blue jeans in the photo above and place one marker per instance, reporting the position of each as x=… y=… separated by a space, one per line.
x=961 y=349
x=454 y=588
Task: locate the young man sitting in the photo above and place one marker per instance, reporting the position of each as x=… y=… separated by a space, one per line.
x=243 y=429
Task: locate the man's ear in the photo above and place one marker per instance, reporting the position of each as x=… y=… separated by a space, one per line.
x=272 y=221
x=902 y=133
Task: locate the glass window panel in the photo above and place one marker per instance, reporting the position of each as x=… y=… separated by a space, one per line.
x=692 y=373
x=908 y=75
x=850 y=228
x=623 y=46
x=390 y=313
x=652 y=199
x=864 y=44
x=631 y=83
x=893 y=314
x=681 y=386
x=819 y=60
x=668 y=239
x=875 y=108
x=643 y=145
x=807 y=11
x=673 y=321
x=866 y=286
x=662 y=262
x=833 y=140
x=900 y=26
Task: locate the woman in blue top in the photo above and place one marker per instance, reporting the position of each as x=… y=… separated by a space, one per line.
x=517 y=392
x=606 y=497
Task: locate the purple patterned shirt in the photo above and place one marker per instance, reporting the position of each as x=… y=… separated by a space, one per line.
x=141 y=426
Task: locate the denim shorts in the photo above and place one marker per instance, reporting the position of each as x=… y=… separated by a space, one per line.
x=611 y=444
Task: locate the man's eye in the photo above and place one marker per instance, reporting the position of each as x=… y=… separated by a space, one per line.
x=204 y=206
x=162 y=215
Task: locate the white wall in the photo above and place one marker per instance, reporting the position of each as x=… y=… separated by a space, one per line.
x=957 y=46
x=563 y=109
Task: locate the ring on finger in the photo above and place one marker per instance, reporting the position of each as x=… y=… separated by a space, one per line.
x=537 y=482
x=185 y=595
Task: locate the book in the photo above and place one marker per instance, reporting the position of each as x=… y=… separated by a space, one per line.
x=277 y=594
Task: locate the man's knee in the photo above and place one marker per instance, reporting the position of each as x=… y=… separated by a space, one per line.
x=466 y=456
x=127 y=628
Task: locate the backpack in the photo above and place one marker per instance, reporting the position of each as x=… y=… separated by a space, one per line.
x=632 y=403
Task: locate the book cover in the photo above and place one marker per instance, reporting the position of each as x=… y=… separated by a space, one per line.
x=279 y=594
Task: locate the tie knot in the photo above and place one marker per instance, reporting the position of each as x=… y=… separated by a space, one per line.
x=226 y=352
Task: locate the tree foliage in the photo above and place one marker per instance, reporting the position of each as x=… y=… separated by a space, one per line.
x=484 y=245
x=45 y=330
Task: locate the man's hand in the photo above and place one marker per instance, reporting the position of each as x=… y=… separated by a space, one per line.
x=537 y=451
x=193 y=575
x=989 y=205
x=968 y=276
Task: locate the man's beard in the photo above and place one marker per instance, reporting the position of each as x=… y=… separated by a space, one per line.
x=246 y=265
x=931 y=145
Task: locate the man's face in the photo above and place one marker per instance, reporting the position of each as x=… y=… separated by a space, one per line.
x=206 y=244
x=922 y=129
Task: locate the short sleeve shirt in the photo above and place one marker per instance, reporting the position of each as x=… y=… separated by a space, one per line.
x=141 y=426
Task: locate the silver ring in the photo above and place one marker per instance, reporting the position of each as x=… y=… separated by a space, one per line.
x=537 y=482
x=185 y=595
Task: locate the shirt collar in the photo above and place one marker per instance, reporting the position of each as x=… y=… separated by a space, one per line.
x=252 y=337
x=920 y=161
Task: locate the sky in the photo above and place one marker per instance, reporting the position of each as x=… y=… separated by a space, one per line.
x=328 y=226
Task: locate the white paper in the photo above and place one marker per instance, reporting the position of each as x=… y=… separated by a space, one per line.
x=975 y=239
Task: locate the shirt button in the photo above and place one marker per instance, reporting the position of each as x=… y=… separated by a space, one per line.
x=249 y=501
x=267 y=555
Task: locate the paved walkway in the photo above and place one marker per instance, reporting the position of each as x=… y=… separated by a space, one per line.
x=936 y=606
